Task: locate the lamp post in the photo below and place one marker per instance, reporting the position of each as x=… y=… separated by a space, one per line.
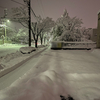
x=5 y=25
x=5 y=20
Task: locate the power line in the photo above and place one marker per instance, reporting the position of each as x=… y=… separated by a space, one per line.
x=18 y=2
x=29 y=21
x=27 y=6
x=34 y=15
x=42 y=7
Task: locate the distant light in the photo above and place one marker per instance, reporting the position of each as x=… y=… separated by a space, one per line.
x=8 y=21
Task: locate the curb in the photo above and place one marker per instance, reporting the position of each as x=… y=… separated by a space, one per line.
x=6 y=71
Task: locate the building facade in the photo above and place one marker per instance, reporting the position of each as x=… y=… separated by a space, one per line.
x=94 y=35
x=98 y=31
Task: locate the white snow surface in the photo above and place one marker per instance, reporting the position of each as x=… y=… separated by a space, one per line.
x=13 y=58
x=59 y=73
x=26 y=50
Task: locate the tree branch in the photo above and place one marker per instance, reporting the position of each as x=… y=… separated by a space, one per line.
x=22 y=24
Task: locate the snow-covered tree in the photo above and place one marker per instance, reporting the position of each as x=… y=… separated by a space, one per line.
x=1 y=31
x=56 y=31
x=69 y=26
x=20 y=36
x=37 y=28
x=10 y=32
x=86 y=33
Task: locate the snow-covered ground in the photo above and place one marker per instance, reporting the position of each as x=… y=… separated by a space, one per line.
x=20 y=53
x=9 y=48
x=59 y=72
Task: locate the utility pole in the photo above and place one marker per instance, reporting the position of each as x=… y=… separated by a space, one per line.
x=28 y=2
x=5 y=14
x=29 y=9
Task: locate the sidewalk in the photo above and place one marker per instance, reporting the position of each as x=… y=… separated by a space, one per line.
x=15 y=60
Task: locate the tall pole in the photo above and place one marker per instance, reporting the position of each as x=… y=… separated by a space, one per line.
x=29 y=9
x=29 y=21
x=5 y=15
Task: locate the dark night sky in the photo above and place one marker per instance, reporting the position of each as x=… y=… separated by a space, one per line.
x=83 y=9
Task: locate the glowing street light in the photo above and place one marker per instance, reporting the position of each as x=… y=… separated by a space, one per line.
x=5 y=28
x=8 y=21
x=4 y=24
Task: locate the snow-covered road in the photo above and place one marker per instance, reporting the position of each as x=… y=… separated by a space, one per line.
x=58 y=72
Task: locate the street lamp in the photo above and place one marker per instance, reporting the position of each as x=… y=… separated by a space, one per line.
x=4 y=23
x=6 y=20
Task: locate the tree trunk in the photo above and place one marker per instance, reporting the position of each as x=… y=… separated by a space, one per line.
x=36 y=43
x=3 y=40
x=44 y=40
x=41 y=41
x=41 y=38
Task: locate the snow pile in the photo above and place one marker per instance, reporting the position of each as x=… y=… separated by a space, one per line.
x=40 y=46
x=6 y=59
x=12 y=59
x=45 y=86
x=26 y=50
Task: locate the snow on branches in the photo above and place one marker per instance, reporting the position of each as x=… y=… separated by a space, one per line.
x=20 y=14
x=71 y=28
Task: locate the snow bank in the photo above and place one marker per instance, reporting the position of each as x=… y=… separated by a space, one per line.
x=40 y=46
x=6 y=59
x=26 y=50
x=11 y=59
x=46 y=86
